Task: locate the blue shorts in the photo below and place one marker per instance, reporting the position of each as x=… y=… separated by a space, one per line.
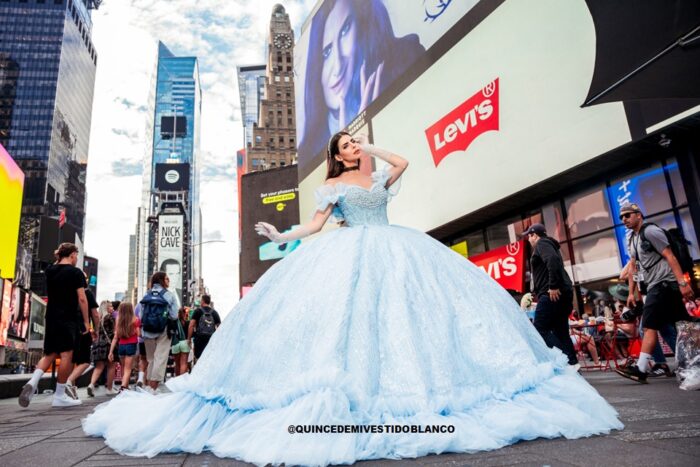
x=127 y=350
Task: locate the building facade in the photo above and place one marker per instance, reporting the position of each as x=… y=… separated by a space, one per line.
x=47 y=77
x=524 y=137
x=251 y=89
x=171 y=175
x=272 y=139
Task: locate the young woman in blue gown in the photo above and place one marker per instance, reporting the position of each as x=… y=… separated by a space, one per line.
x=369 y=325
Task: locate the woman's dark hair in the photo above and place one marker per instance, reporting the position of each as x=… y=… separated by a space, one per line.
x=335 y=167
x=375 y=37
x=157 y=278
x=64 y=251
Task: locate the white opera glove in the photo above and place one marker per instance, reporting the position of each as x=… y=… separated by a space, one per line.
x=371 y=149
x=269 y=231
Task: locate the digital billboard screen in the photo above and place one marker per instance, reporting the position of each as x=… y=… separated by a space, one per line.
x=268 y=196
x=11 y=187
x=170 y=245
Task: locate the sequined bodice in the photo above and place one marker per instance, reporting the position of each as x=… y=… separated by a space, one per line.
x=362 y=206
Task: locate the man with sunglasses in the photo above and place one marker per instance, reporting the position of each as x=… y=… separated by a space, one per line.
x=653 y=263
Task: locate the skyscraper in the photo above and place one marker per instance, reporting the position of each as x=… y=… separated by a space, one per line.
x=273 y=138
x=251 y=89
x=171 y=228
x=47 y=77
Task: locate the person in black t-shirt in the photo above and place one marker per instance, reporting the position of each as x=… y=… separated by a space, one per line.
x=66 y=320
x=204 y=322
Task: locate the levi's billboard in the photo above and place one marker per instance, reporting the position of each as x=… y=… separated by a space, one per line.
x=505 y=265
x=498 y=113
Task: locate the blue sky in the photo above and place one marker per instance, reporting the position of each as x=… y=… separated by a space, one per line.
x=222 y=34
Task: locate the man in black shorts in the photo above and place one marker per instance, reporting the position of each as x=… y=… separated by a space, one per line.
x=652 y=262
x=204 y=322
x=67 y=309
x=81 y=353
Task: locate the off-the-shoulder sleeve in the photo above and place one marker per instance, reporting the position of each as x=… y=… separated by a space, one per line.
x=382 y=176
x=329 y=194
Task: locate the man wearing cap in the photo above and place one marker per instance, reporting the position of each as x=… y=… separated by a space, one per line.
x=553 y=289
x=652 y=262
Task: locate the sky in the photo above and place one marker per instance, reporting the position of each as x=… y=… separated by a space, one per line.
x=222 y=34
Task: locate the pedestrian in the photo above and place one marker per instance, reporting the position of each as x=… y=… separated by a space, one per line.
x=554 y=291
x=101 y=350
x=143 y=361
x=126 y=339
x=204 y=322
x=180 y=343
x=66 y=319
x=82 y=352
x=157 y=306
x=655 y=270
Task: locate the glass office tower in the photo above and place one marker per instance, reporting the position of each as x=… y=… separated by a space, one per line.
x=47 y=78
x=174 y=139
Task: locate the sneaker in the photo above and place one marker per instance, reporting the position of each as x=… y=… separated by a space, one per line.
x=661 y=369
x=71 y=390
x=632 y=372
x=91 y=390
x=139 y=384
x=110 y=392
x=122 y=389
x=65 y=401
x=25 y=396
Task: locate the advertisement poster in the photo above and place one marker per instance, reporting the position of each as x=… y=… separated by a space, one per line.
x=5 y=306
x=11 y=187
x=270 y=196
x=505 y=265
x=19 y=314
x=37 y=322
x=170 y=244
x=352 y=54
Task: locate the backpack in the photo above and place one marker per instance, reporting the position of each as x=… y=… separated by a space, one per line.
x=154 y=312
x=678 y=244
x=206 y=324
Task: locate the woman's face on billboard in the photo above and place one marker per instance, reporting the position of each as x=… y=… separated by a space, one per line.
x=338 y=55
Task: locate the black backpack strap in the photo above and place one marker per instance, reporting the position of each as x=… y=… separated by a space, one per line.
x=643 y=239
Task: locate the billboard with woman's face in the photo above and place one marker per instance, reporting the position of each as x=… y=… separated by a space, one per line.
x=352 y=53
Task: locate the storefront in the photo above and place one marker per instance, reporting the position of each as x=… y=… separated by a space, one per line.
x=585 y=220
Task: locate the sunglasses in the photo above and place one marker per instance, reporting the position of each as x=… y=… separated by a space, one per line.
x=626 y=215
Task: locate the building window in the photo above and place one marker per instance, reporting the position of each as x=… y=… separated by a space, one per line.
x=277 y=79
x=587 y=212
x=286 y=79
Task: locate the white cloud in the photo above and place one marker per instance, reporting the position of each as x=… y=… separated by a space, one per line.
x=221 y=34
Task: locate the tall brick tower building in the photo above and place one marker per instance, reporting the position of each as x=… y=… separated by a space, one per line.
x=274 y=137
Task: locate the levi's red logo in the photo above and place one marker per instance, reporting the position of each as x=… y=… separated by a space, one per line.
x=456 y=130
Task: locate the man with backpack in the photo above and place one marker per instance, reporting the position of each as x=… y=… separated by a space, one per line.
x=656 y=260
x=158 y=306
x=204 y=322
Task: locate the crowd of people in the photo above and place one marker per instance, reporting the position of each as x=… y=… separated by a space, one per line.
x=83 y=335
x=655 y=296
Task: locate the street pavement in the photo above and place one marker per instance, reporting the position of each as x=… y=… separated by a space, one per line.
x=662 y=427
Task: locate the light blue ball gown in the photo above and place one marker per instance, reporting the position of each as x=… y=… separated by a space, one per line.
x=369 y=324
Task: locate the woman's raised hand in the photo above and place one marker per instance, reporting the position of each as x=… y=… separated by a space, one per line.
x=369 y=85
x=267 y=230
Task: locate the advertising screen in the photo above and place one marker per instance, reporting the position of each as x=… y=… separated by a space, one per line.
x=37 y=322
x=354 y=54
x=5 y=307
x=11 y=186
x=170 y=244
x=172 y=177
x=19 y=314
x=493 y=107
x=269 y=196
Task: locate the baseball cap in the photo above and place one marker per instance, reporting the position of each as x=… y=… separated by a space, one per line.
x=629 y=207
x=537 y=229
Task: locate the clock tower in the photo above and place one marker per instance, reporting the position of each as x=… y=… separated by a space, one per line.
x=274 y=136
